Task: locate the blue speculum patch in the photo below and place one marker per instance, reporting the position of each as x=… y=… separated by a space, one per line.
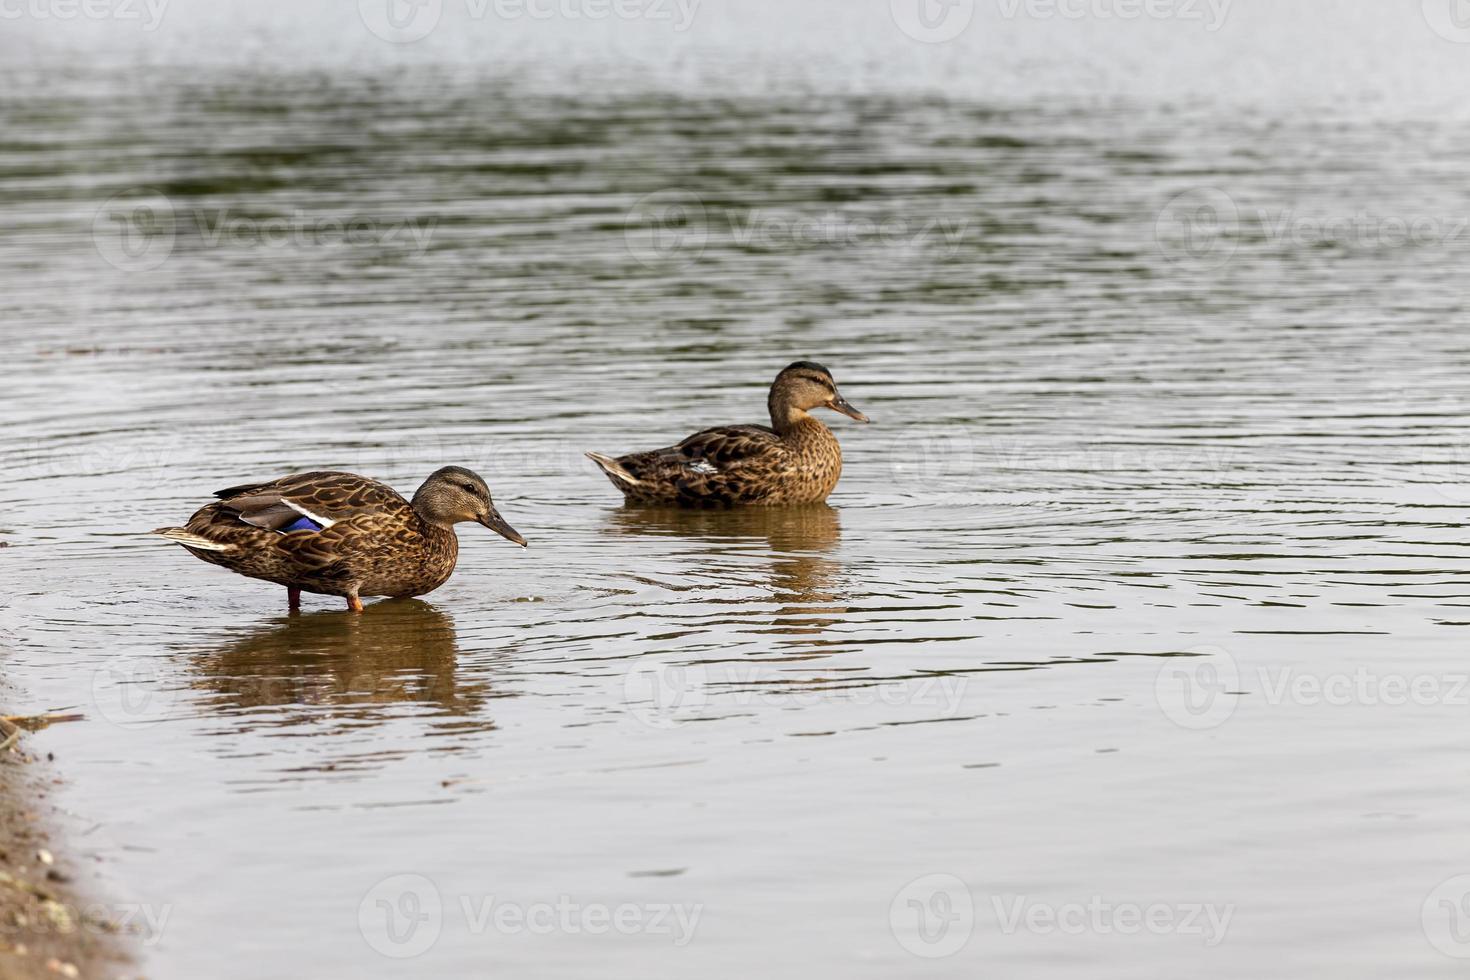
x=301 y=524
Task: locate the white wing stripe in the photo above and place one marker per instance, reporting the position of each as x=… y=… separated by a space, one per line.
x=323 y=521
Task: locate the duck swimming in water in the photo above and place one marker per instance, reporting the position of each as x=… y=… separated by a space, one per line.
x=796 y=460
x=341 y=534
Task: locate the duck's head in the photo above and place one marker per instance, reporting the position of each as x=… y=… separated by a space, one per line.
x=806 y=385
x=455 y=495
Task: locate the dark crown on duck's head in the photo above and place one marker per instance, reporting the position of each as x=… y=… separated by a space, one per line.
x=811 y=366
x=804 y=385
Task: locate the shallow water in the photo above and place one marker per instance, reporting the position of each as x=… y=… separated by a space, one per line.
x=1145 y=473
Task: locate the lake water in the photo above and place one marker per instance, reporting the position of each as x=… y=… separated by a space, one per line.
x=1132 y=641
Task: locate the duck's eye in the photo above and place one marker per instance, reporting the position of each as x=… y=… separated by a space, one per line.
x=468 y=488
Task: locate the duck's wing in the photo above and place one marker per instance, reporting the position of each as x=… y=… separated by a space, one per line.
x=727 y=445
x=294 y=527
x=324 y=498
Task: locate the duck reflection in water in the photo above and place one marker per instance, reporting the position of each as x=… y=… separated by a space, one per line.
x=395 y=652
x=804 y=576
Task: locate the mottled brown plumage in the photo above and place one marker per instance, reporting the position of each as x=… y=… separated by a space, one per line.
x=796 y=460
x=371 y=542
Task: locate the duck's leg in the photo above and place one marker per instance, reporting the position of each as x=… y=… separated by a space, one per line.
x=293 y=598
x=354 y=604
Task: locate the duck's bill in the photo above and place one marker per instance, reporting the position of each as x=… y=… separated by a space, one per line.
x=840 y=404
x=497 y=524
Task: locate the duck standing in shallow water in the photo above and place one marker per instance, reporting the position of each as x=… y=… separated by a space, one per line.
x=340 y=534
x=795 y=461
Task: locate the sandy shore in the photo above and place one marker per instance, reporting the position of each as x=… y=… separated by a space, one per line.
x=51 y=923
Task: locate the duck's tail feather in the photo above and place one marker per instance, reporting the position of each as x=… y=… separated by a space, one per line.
x=614 y=469
x=191 y=540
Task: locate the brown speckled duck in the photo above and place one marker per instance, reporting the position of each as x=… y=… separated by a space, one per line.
x=795 y=461
x=340 y=534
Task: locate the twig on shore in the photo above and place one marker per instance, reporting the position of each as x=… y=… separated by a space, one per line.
x=11 y=726
x=34 y=723
x=11 y=731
